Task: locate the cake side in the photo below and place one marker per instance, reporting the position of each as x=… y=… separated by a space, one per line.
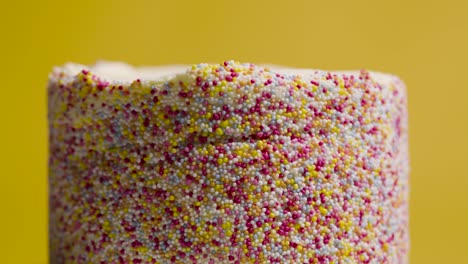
x=228 y=162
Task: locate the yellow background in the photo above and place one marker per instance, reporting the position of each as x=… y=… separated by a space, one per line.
x=424 y=42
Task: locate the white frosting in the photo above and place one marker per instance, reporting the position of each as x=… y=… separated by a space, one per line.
x=122 y=72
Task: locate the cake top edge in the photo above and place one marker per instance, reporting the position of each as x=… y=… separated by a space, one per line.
x=123 y=73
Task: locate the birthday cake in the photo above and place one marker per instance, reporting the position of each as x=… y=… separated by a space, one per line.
x=226 y=163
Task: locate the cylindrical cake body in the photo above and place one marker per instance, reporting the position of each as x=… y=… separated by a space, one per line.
x=228 y=163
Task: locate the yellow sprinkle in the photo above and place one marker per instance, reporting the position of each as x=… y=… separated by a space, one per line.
x=385 y=247
x=225 y=123
x=219 y=131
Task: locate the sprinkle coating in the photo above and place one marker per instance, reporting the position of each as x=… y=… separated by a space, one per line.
x=228 y=163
